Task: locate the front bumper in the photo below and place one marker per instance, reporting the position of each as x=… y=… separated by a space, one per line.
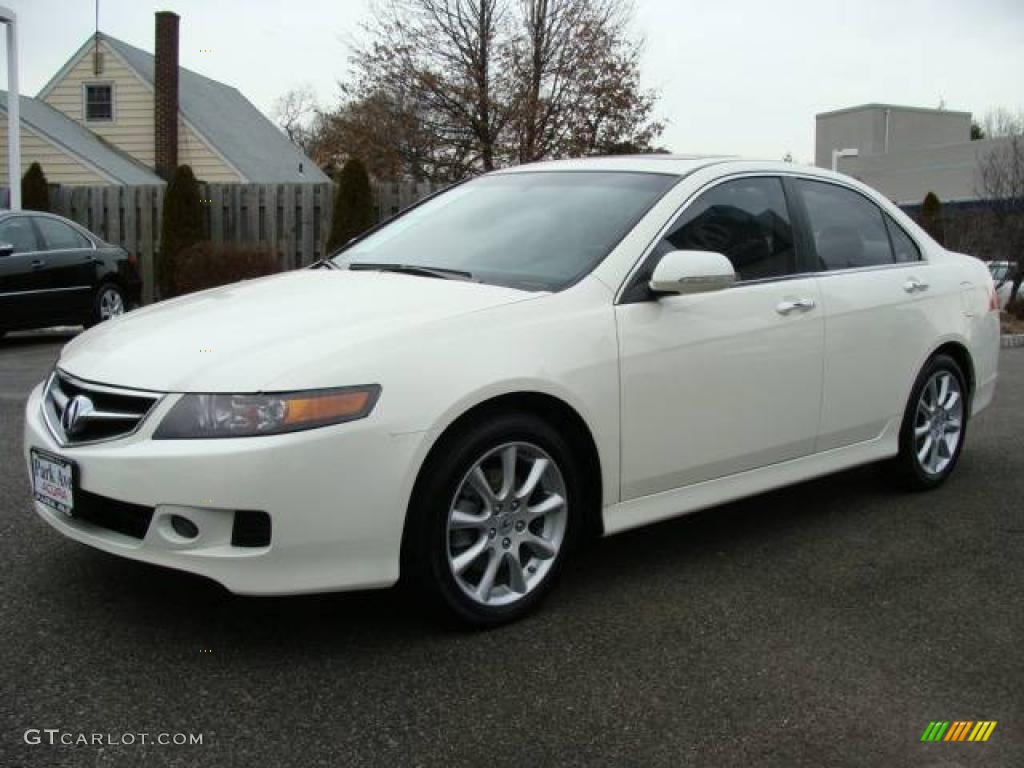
x=336 y=497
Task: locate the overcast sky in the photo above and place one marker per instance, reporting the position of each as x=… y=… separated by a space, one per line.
x=741 y=77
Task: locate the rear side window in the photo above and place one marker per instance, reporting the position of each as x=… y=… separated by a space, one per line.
x=849 y=230
x=744 y=219
x=59 y=236
x=18 y=232
x=903 y=248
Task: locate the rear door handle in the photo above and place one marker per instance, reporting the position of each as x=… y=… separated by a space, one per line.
x=792 y=305
x=38 y=263
x=913 y=285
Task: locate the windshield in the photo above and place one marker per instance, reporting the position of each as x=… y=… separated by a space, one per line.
x=536 y=231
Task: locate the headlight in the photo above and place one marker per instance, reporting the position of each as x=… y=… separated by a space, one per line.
x=201 y=416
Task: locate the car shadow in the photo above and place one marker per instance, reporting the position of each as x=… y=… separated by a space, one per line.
x=60 y=335
x=197 y=607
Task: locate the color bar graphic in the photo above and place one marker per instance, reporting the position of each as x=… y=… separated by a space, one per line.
x=958 y=730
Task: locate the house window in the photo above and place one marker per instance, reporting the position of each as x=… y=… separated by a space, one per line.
x=99 y=102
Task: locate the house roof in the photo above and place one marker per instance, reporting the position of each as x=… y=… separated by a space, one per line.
x=236 y=129
x=81 y=143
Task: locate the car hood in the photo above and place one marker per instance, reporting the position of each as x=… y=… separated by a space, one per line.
x=247 y=336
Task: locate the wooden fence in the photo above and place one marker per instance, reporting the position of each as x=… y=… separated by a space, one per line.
x=293 y=220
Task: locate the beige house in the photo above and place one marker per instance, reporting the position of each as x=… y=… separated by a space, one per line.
x=115 y=114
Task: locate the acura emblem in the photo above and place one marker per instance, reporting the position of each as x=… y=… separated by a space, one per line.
x=78 y=410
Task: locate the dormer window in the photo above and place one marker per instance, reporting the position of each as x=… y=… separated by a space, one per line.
x=99 y=102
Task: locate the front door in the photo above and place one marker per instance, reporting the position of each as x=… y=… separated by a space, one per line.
x=22 y=275
x=718 y=383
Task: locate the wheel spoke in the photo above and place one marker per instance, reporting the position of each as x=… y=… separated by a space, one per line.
x=954 y=398
x=550 y=504
x=943 y=390
x=924 y=429
x=480 y=484
x=516 y=577
x=541 y=547
x=508 y=472
x=537 y=470
x=953 y=425
x=464 y=559
x=462 y=519
x=483 y=589
x=933 y=455
x=923 y=451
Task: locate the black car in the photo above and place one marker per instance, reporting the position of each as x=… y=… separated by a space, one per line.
x=55 y=272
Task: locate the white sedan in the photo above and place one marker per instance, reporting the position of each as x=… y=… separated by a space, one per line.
x=540 y=354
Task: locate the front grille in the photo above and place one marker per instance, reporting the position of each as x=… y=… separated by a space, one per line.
x=130 y=519
x=81 y=412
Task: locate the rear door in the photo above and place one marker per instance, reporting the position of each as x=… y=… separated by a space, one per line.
x=70 y=269
x=22 y=277
x=874 y=288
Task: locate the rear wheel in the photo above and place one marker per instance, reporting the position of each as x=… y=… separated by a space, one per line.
x=934 y=425
x=109 y=302
x=493 y=518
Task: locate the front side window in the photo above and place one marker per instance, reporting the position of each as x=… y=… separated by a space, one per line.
x=536 y=230
x=849 y=230
x=746 y=220
x=59 y=236
x=18 y=233
x=99 y=102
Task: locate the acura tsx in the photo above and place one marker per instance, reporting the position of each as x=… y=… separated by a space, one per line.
x=462 y=395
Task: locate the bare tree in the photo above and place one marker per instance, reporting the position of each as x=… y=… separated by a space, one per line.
x=293 y=111
x=452 y=87
x=1001 y=122
x=1001 y=176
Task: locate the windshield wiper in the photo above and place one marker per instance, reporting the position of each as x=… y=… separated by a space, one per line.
x=324 y=264
x=413 y=269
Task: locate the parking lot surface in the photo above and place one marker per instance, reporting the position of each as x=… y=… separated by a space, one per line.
x=821 y=625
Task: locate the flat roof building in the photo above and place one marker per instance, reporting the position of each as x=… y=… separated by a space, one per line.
x=905 y=152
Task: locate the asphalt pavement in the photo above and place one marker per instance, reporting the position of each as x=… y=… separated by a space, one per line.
x=821 y=625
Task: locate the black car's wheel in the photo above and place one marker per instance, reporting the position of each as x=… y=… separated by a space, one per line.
x=934 y=425
x=492 y=518
x=109 y=302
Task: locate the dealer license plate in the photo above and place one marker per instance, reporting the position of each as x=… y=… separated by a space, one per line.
x=53 y=481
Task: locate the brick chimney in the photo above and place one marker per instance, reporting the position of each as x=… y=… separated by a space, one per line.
x=165 y=97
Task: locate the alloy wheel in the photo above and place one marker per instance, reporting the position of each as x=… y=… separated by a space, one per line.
x=938 y=422
x=111 y=304
x=506 y=524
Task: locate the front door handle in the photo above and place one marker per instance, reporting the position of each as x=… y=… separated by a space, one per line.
x=38 y=263
x=913 y=285
x=792 y=305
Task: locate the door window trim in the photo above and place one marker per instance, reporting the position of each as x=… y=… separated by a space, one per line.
x=798 y=216
x=822 y=271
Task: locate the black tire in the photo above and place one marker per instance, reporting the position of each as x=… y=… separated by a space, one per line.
x=425 y=558
x=96 y=313
x=907 y=468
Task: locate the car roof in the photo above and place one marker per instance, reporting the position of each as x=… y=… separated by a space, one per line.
x=674 y=165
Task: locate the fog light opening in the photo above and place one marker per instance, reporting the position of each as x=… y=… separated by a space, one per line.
x=184 y=527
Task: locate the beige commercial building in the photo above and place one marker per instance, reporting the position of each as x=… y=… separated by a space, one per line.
x=905 y=152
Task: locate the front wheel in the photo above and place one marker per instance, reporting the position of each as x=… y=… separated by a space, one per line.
x=109 y=302
x=493 y=518
x=934 y=425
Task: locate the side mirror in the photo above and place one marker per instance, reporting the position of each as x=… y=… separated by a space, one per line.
x=686 y=272
x=6 y=249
